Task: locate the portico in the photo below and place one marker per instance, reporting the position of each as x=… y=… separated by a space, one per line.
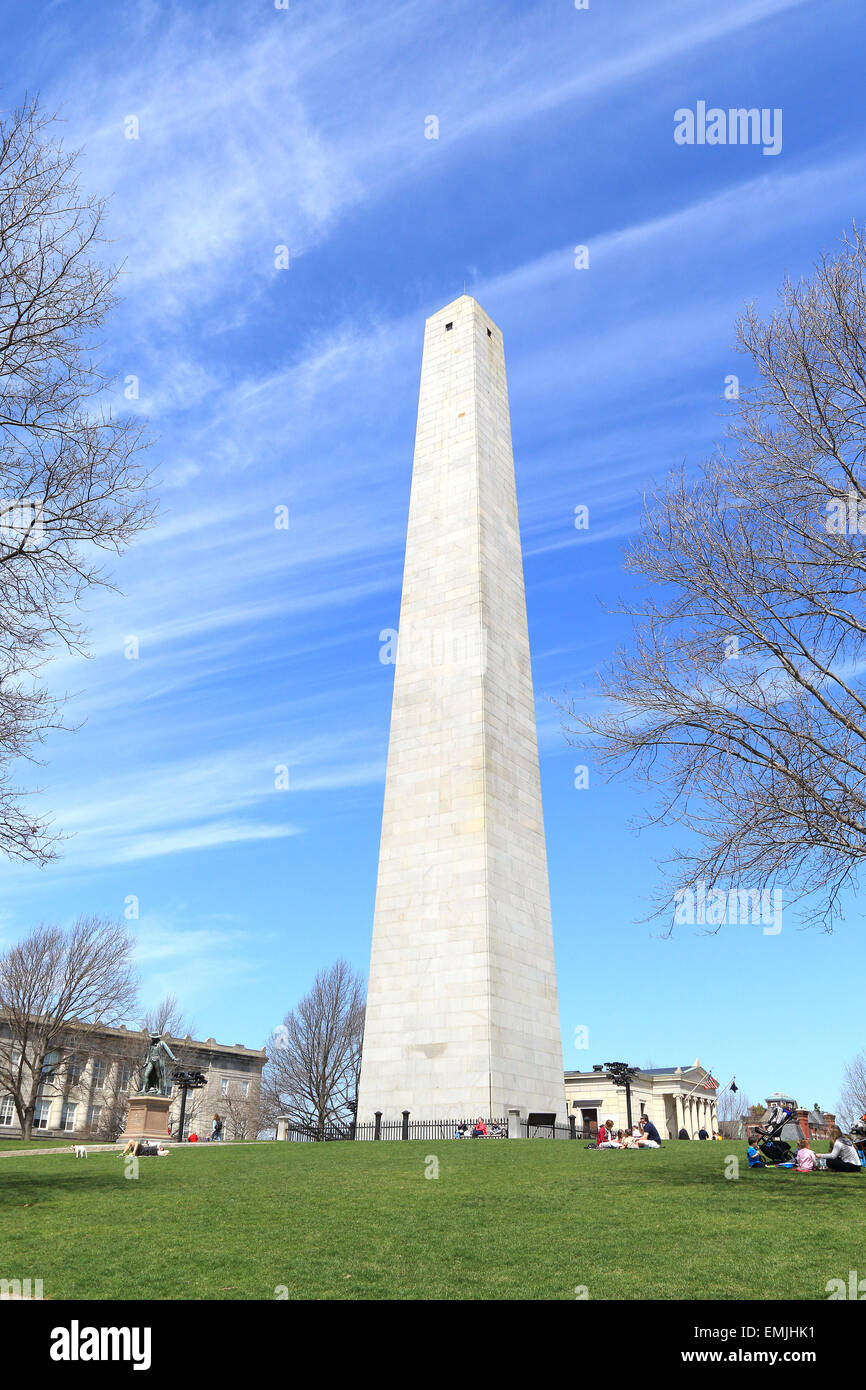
x=674 y=1098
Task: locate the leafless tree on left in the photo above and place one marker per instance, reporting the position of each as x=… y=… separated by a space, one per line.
x=72 y=476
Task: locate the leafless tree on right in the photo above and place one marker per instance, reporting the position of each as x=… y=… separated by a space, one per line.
x=314 y=1058
x=740 y=699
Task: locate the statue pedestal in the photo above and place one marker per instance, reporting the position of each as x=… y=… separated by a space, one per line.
x=147 y=1118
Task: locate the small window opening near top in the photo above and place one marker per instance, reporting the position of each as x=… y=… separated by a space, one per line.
x=448 y=325
x=489 y=333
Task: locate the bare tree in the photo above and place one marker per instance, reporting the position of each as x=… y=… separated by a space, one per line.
x=54 y=986
x=734 y=1107
x=852 y=1101
x=167 y=1019
x=71 y=477
x=314 y=1058
x=242 y=1112
x=740 y=699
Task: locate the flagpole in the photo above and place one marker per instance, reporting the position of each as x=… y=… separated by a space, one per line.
x=701 y=1082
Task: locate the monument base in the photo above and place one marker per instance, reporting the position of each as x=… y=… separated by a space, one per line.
x=147 y=1118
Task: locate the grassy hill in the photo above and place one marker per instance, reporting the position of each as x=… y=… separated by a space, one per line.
x=534 y=1219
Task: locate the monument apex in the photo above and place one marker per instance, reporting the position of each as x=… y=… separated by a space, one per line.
x=462 y=1016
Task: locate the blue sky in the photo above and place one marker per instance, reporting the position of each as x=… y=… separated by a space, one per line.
x=305 y=128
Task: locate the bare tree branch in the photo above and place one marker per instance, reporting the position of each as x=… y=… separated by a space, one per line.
x=314 y=1058
x=72 y=483
x=50 y=981
x=740 y=699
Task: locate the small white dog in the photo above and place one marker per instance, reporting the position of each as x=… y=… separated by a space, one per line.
x=79 y=1150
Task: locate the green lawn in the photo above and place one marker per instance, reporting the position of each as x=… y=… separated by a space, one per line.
x=16 y=1145
x=504 y=1219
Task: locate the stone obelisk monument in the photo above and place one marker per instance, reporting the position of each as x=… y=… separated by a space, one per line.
x=462 y=1016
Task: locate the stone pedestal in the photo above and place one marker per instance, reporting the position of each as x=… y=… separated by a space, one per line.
x=147 y=1118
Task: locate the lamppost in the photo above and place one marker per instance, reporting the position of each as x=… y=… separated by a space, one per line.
x=187 y=1081
x=620 y=1074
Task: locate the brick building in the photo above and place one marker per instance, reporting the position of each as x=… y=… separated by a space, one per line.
x=814 y=1124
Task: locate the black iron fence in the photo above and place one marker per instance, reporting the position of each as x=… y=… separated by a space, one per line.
x=550 y=1131
x=307 y=1134
x=407 y=1128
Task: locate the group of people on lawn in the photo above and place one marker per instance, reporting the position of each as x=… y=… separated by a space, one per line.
x=480 y=1130
x=643 y=1135
x=842 y=1158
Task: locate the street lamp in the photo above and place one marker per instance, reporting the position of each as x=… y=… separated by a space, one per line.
x=187 y=1081
x=620 y=1074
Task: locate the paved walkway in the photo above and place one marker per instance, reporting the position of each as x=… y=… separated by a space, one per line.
x=65 y=1149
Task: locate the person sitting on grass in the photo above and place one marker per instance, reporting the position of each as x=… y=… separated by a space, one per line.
x=480 y=1129
x=627 y=1141
x=605 y=1136
x=807 y=1159
x=650 y=1137
x=754 y=1155
x=843 y=1157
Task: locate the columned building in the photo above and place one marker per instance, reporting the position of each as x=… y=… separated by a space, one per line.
x=674 y=1098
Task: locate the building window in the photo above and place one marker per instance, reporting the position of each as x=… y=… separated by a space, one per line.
x=40 y=1117
x=245 y=1086
x=74 y=1067
x=448 y=327
x=489 y=334
x=224 y=1086
x=67 y=1121
x=94 y=1115
x=98 y=1075
x=7 y=1110
x=49 y=1066
x=124 y=1077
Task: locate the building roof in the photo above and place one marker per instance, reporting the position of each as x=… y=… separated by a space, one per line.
x=208 y=1044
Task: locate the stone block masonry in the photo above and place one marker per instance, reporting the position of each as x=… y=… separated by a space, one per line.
x=462 y=1013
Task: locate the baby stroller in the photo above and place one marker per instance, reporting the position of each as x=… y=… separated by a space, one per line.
x=858 y=1135
x=769 y=1137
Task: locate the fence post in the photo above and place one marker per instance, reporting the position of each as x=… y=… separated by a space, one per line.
x=572 y=1127
x=377 y=1133
x=515 y=1129
x=405 y=1132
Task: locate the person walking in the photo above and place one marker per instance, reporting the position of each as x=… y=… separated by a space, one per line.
x=216 y=1130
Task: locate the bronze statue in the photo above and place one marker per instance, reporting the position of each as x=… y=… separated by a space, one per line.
x=154 y=1078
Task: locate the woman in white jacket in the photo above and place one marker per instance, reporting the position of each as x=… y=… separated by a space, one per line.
x=843 y=1157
